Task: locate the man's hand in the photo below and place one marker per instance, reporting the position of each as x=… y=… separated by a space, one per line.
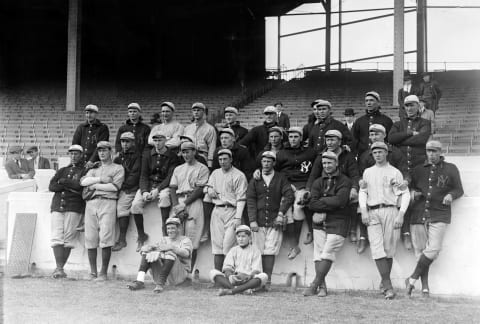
x=237 y=222
x=154 y=194
x=416 y=195
x=257 y=174
x=398 y=220
x=447 y=200
x=363 y=184
x=254 y=226
x=346 y=148
x=319 y=218
x=279 y=221
x=212 y=193
x=146 y=248
x=106 y=179
x=61 y=181
x=152 y=256
x=365 y=217
x=89 y=165
x=353 y=195
x=179 y=208
x=165 y=247
x=146 y=196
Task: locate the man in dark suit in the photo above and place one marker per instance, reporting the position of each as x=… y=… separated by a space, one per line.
x=430 y=92
x=37 y=161
x=283 y=120
x=17 y=167
x=408 y=89
x=349 y=118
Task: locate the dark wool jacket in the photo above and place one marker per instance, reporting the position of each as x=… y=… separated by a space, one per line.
x=239 y=131
x=347 y=165
x=360 y=129
x=88 y=135
x=132 y=164
x=264 y=202
x=434 y=182
x=141 y=132
x=157 y=169
x=412 y=146
x=256 y=138
x=395 y=157
x=68 y=191
x=330 y=195
x=241 y=160
x=296 y=164
x=316 y=136
x=258 y=159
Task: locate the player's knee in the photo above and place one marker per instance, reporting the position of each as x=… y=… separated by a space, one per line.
x=214 y=273
x=263 y=278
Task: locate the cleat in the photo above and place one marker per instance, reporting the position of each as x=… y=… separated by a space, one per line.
x=140 y=241
x=158 y=289
x=59 y=274
x=310 y=291
x=136 y=285
x=362 y=246
x=92 y=276
x=225 y=292
x=353 y=237
x=409 y=287
x=119 y=245
x=101 y=278
x=322 y=292
x=308 y=239
x=407 y=241
x=425 y=293
x=389 y=294
x=294 y=252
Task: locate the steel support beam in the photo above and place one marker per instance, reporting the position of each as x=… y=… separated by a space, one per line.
x=398 y=48
x=73 y=54
x=421 y=30
x=327 y=5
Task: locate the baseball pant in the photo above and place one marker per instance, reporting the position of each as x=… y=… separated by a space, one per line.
x=100 y=223
x=177 y=275
x=427 y=239
x=296 y=211
x=163 y=200
x=326 y=246
x=262 y=276
x=124 y=203
x=193 y=225
x=382 y=235
x=268 y=240
x=222 y=229
x=64 y=228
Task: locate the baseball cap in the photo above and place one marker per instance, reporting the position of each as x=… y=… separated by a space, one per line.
x=127 y=136
x=329 y=155
x=198 y=105
x=224 y=151
x=134 y=105
x=434 y=145
x=91 y=108
x=275 y=129
x=185 y=138
x=158 y=133
x=321 y=102
x=373 y=94
x=32 y=148
x=270 y=110
x=173 y=220
x=168 y=104
x=411 y=98
x=377 y=128
x=187 y=146
x=15 y=149
x=104 y=144
x=349 y=112
x=243 y=228
x=231 y=109
x=333 y=133
x=75 y=147
x=269 y=154
x=227 y=131
x=379 y=145
x=295 y=129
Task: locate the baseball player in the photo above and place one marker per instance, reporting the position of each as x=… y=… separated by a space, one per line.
x=231 y=114
x=89 y=133
x=275 y=143
x=103 y=182
x=169 y=126
x=157 y=169
x=380 y=189
x=329 y=202
x=295 y=162
x=66 y=208
x=169 y=259
x=242 y=268
x=226 y=189
x=203 y=134
x=17 y=167
x=434 y=186
x=131 y=160
x=268 y=200
x=186 y=190
x=134 y=125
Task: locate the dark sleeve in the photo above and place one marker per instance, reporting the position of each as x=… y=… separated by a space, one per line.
x=215 y=164
x=422 y=137
x=457 y=188
x=316 y=171
x=340 y=200
x=118 y=146
x=363 y=162
x=396 y=135
x=399 y=161
x=54 y=186
x=400 y=97
x=196 y=194
x=355 y=135
x=288 y=197
x=10 y=171
x=249 y=138
x=246 y=162
x=252 y=201
x=287 y=121
x=77 y=136
x=388 y=124
x=437 y=90
x=166 y=182
x=353 y=172
x=134 y=174
x=145 y=173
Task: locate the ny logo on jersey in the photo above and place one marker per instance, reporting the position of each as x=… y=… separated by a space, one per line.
x=305 y=166
x=442 y=181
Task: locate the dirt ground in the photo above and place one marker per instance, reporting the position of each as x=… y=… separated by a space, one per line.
x=45 y=300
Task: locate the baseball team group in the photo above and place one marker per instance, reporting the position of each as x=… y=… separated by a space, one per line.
x=369 y=180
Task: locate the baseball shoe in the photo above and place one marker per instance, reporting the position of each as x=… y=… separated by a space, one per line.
x=310 y=291
x=119 y=245
x=204 y=238
x=81 y=227
x=362 y=245
x=92 y=276
x=389 y=294
x=407 y=241
x=322 y=292
x=381 y=288
x=225 y=292
x=140 y=241
x=409 y=287
x=158 y=289
x=308 y=239
x=136 y=285
x=294 y=252
x=101 y=278
x=425 y=293
x=353 y=237
x=248 y=292
x=58 y=274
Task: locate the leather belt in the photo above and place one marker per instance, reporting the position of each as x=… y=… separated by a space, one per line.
x=225 y=205
x=380 y=206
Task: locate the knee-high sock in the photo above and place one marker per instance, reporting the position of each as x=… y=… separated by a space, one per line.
x=165 y=271
x=268 y=262
x=218 y=261
x=390 y=265
x=165 y=213
x=92 y=259
x=251 y=284
x=123 y=224
x=321 y=270
x=106 y=253
x=363 y=229
x=66 y=254
x=58 y=254
x=422 y=264
x=309 y=219
x=384 y=270
x=207 y=213
x=297 y=230
x=222 y=282
x=194 y=258
x=138 y=218
x=424 y=277
x=144 y=264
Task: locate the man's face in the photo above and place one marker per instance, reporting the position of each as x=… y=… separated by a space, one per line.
x=16 y=155
x=133 y=114
x=349 y=119
x=332 y=143
x=225 y=161
x=33 y=154
x=230 y=117
x=294 y=139
x=243 y=239
x=75 y=156
x=166 y=113
x=197 y=113
x=411 y=108
x=172 y=231
x=126 y=144
x=426 y=78
x=379 y=155
x=407 y=82
x=329 y=165
x=275 y=139
x=267 y=164
x=90 y=115
x=226 y=140
x=188 y=155
x=159 y=143
x=270 y=117
x=371 y=103
x=322 y=112
x=279 y=108
x=433 y=156
x=376 y=136
x=104 y=154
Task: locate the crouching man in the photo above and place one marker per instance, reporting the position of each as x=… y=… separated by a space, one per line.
x=329 y=202
x=169 y=259
x=242 y=268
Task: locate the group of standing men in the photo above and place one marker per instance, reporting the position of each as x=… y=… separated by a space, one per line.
x=208 y=181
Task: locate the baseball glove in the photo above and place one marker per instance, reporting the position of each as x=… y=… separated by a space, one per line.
x=182 y=215
x=239 y=279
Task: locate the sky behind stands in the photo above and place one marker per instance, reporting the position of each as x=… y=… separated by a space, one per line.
x=452 y=36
